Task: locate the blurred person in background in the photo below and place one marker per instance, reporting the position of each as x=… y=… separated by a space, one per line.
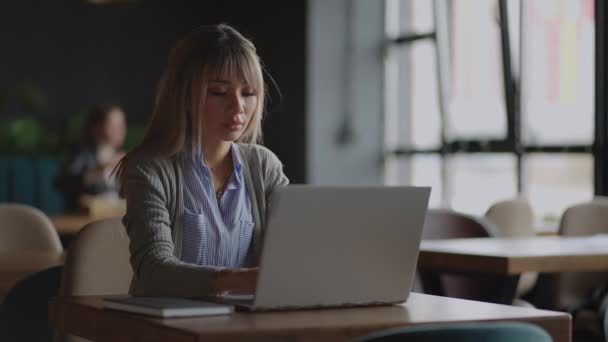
x=87 y=170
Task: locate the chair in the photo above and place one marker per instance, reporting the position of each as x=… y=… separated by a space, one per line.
x=25 y=228
x=97 y=262
x=24 y=311
x=514 y=218
x=446 y=224
x=462 y=332
x=603 y=309
x=587 y=218
x=511 y=218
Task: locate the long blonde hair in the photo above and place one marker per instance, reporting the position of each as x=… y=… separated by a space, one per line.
x=177 y=119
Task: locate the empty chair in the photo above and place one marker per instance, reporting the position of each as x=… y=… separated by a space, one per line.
x=511 y=218
x=24 y=311
x=514 y=218
x=587 y=218
x=462 y=332
x=446 y=224
x=24 y=228
x=604 y=314
x=97 y=262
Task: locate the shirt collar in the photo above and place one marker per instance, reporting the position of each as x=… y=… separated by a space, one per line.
x=237 y=162
x=238 y=166
x=236 y=158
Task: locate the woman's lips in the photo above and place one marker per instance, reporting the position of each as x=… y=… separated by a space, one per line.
x=234 y=126
x=237 y=122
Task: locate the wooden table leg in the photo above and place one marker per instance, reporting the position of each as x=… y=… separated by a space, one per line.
x=509 y=289
x=431 y=283
x=504 y=294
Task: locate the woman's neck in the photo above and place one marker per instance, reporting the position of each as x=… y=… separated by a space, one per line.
x=216 y=154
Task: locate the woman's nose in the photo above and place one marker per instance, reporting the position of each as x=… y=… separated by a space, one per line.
x=236 y=103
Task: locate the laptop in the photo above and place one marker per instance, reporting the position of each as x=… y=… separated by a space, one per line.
x=338 y=246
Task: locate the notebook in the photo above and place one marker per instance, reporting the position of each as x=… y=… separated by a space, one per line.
x=338 y=246
x=166 y=307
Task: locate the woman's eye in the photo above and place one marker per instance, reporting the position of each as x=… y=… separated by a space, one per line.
x=249 y=93
x=216 y=92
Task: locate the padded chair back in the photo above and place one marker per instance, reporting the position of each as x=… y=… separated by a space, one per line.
x=511 y=218
x=24 y=228
x=462 y=332
x=446 y=224
x=24 y=313
x=587 y=218
x=514 y=218
x=97 y=263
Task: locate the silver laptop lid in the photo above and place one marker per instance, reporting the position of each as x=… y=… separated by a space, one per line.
x=333 y=246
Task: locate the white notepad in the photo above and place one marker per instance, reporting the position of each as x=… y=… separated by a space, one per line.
x=166 y=307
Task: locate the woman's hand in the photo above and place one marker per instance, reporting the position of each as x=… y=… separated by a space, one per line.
x=234 y=280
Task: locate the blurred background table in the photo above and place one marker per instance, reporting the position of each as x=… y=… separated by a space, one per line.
x=70 y=224
x=507 y=258
x=99 y=207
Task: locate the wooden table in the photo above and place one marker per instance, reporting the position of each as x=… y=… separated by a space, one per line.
x=16 y=266
x=70 y=224
x=84 y=316
x=509 y=257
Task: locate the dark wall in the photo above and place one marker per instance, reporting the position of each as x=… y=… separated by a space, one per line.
x=79 y=53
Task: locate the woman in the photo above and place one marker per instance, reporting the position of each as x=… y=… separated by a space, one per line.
x=87 y=170
x=197 y=186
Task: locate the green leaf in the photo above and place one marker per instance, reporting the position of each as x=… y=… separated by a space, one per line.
x=26 y=134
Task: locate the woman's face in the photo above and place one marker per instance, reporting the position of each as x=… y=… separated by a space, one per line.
x=114 y=128
x=229 y=106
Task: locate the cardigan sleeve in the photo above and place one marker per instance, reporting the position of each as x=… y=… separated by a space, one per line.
x=272 y=169
x=157 y=271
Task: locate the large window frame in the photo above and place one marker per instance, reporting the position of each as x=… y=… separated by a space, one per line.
x=513 y=143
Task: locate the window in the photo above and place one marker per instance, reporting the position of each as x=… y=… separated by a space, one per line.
x=488 y=99
x=481 y=178
x=550 y=192
x=476 y=101
x=558 y=76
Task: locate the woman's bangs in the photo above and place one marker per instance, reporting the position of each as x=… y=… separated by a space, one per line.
x=240 y=66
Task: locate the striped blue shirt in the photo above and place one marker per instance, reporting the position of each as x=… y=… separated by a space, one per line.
x=217 y=230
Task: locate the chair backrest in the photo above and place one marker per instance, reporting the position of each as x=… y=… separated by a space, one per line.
x=97 y=261
x=24 y=313
x=24 y=228
x=446 y=224
x=462 y=332
x=581 y=219
x=514 y=218
x=585 y=218
x=511 y=218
